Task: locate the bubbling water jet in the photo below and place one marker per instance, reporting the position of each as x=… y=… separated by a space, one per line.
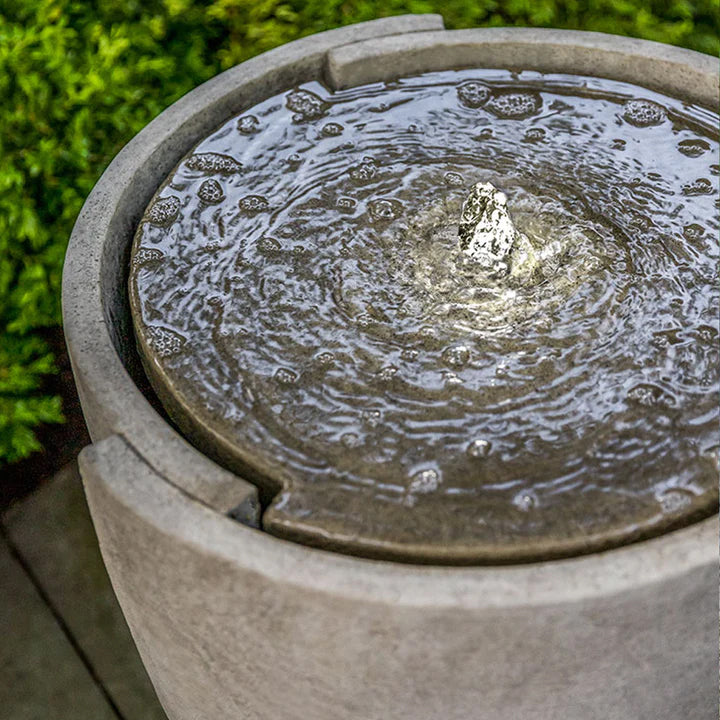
x=488 y=235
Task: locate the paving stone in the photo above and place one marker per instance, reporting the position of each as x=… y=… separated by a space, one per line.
x=53 y=533
x=41 y=675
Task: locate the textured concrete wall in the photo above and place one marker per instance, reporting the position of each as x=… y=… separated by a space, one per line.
x=232 y=623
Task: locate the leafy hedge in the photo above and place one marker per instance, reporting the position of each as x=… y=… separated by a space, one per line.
x=79 y=79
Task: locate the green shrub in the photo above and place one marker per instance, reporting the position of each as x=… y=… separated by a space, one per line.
x=79 y=79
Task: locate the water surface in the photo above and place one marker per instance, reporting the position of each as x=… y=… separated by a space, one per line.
x=297 y=282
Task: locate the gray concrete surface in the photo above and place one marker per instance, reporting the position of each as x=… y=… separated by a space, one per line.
x=671 y=70
x=66 y=651
x=233 y=623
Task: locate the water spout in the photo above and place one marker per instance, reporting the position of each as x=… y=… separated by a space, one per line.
x=486 y=231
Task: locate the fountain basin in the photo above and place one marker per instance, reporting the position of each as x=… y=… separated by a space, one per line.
x=231 y=621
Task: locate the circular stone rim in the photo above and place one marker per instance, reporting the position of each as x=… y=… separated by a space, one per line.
x=368 y=62
x=112 y=401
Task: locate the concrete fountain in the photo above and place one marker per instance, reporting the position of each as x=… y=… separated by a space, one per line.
x=396 y=349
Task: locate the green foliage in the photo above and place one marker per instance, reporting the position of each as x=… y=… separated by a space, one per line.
x=23 y=363
x=79 y=79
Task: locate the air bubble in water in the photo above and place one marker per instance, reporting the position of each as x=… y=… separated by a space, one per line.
x=384 y=210
x=693 y=148
x=372 y=417
x=325 y=358
x=165 y=342
x=456 y=355
x=649 y=395
x=211 y=192
x=364 y=320
x=306 y=105
x=332 y=129
x=364 y=171
x=164 y=211
x=453 y=179
x=644 y=113
x=145 y=256
x=535 y=135
x=346 y=204
x=479 y=448
x=693 y=232
x=285 y=376
x=248 y=124
x=387 y=373
x=451 y=379
x=423 y=482
x=473 y=94
x=514 y=105
x=350 y=440
x=252 y=204
x=674 y=500
x=213 y=163
x=701 y=186
x=707 y=333
x=525 y=500
x=268 y=246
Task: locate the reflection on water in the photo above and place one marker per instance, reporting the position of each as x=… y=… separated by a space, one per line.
x=300 y=283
